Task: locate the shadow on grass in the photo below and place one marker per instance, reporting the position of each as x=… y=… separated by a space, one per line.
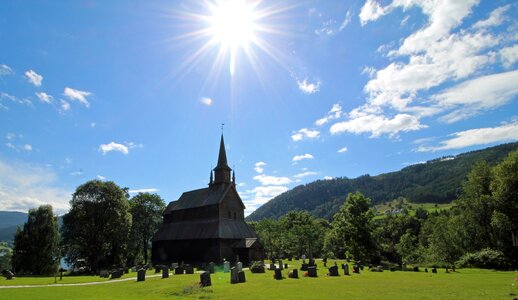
x=194 y=291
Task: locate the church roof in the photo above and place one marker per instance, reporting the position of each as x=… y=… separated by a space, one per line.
x=205 y=229
x=201 y=197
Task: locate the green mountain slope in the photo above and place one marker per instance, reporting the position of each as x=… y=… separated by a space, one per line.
x=436 y=181
x=12 y=218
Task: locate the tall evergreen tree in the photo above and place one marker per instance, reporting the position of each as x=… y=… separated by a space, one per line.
x=97 y=227
x=36 y=246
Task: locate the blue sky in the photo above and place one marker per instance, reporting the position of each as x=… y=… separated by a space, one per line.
x=135 y=92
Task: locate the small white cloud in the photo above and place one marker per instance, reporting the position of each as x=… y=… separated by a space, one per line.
x=112 y=146
x=479 y=136
x=346 y=21
x=377 y=125
x=65 y=106
x=151 y=190
x=27 y=147
x=10 y=136
x=259 y=166
x=44 y=97
x=5 y=70
x=496 y=18
x=305 y=174
x=206 y=101
x=305 y=133
x=308 y=87
x=334 y=113
x=328 y=177
x=34 y=77
x=77 y=95
x=101 y=177
x=303 y=156
x=68 y=160
x=509 y=56
x=272 y=180
x=342 y=150
x=92 y=124
x=371 y=11
x=77 y=173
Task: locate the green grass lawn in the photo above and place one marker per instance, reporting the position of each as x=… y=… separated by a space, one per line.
x=463 y=284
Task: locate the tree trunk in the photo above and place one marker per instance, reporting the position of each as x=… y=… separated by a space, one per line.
x=145 y=250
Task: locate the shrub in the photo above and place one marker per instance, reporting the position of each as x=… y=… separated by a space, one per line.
x=257 y=267
x=485 y=259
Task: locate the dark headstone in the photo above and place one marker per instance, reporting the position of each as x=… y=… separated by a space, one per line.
x=141 y=275
x=293 y=273
x=126 y=270
x=281 y=266
x=285 y=266
x=392 y=269
x=304 y=267
x=361 y=267
x=189 y=269
x=453 y=268
x=205 y=279
x=157 y=269
x=116 y=274
x=211 y=268
x=346 y=269
x=370 y=266
x=104 y=274
x=278 y=274
x=272 y=266
x=356 y=269
x=416 y=269
x=333 y=271
x=434 y=270
x=165 y=272
x=311 y=263
x=241 y=276
x=234 y=275
x=426 y=270
x=9 y=275
x=178 y=271
x=312 y=271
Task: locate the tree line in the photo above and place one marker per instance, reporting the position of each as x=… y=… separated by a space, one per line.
x=477 y=231
x=104 y=227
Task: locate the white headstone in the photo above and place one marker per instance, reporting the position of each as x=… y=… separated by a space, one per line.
x=226 y=266
x=239 y=266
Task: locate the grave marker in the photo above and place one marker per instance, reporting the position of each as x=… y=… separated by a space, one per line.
x=205 y=279
x=141 y=275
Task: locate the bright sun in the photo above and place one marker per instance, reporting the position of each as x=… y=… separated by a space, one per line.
x=233 y=25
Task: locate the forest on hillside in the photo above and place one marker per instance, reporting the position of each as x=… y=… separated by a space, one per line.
x=436 y=181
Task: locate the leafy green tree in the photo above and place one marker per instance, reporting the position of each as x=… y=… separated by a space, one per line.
x=303 y=233
x=97 y=227
x=353 y=226
x=36 y=246
x=270 y=233
x=146 y=211
x=5 y=256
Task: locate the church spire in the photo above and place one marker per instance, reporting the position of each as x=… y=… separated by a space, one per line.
x=222 y=170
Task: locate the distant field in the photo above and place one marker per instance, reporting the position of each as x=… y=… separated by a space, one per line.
x=464 y=284
x=392 y=206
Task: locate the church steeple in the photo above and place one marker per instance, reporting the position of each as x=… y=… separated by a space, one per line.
x=222 y=170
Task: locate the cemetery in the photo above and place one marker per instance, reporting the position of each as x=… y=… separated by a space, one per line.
x=239 y=282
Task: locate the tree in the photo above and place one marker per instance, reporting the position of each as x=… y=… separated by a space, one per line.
x=36 y=246
x=146 y=211
x=352 y=226
x=5 y=256
x=98 y=225
x=270 y=234
x=303 y=233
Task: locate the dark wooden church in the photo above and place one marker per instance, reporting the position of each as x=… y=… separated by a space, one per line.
x=207 y=225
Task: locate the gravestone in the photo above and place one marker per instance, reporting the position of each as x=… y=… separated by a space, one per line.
x=234 y=276
x=293 y=273
x=312 y=271
x=346 y=269
x=272 y=266
x=211 y=268
x=379 y=268
x=311 y=263
x=9 y=275
x=416 y=269
x=178 y=271
x=434 y=270
x=392 y=269
x=226 y=266
x=239 y=266
x=104 y=274
x=285 y=266
x=205 y=279
x=278 y=274
x=426 y=270
x=280 y=264
x=370 y=266
x=333 y=271
x=304 y=267
x=126 y=270
x=165 y=272
x=118 y=273
x=356 y=269
x=134 y=269
x=189 y=269
x=241 y=276
x=141 y=275
x=290 y=259
x=157 y=269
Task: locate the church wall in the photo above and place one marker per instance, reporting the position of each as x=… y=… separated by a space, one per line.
x=231 y=204
x=188 y=251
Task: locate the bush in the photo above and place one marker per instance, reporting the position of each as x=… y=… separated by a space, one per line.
x=257 y=267
x=485 y=259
